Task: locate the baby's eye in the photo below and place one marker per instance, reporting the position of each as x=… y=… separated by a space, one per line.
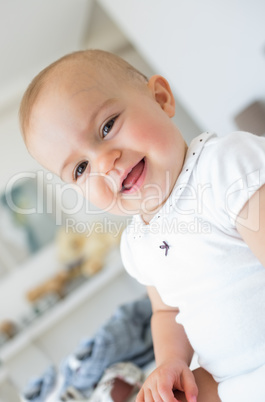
x=80 y=169
x=108 y=126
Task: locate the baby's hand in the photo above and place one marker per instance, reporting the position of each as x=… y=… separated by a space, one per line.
x=170 y=376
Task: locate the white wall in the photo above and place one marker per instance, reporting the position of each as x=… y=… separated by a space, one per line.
x=212 y=52
x=14 y=158
x=34 y=33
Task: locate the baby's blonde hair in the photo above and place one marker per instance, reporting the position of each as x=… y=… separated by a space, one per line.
x=97 y=58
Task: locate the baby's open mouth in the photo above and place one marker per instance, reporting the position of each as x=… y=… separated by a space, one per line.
x=133 y=176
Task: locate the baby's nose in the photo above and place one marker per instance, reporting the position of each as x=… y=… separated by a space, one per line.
x=105 y=161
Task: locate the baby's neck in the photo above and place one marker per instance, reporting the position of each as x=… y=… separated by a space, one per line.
x=148 y=216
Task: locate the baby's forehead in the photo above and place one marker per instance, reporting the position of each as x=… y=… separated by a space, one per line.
x=73 y=90
x=78 y=76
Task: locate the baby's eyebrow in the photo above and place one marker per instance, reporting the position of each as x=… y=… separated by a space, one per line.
x=101 y=107
x=93 y=117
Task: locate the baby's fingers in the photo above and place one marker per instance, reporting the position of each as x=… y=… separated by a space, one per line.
x=144 y=395
x=189 y=386
x=165 y=392
x=148 y=395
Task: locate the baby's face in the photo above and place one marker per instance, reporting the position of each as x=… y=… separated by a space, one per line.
x=113 y=140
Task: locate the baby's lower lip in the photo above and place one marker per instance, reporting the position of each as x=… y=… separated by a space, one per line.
x=135 y=178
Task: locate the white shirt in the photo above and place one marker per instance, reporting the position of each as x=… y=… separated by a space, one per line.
x=209 y=273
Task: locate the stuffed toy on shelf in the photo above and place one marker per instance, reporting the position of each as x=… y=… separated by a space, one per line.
x=79 y=255
x=88 y=251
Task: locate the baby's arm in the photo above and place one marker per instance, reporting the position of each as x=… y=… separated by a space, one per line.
x=173 y=356
x=250 y=224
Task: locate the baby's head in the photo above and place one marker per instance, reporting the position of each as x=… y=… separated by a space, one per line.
x=97 y=122
x=95 y=59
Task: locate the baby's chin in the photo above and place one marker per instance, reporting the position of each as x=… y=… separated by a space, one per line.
x=117 y=209
x=132 y=205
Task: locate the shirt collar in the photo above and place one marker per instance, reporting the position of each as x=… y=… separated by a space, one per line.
x=192 y=155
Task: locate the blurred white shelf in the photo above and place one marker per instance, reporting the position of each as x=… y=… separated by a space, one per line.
x=46 y=321
x=3 y=375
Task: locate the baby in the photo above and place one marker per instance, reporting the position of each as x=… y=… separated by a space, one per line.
x=198 y=217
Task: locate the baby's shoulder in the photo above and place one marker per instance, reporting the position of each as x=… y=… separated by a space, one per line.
x=237 y=140
x=225 y=160
x=231 y=149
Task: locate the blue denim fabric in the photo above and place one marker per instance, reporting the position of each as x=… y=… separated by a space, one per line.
x=126 y=336
x=39 y=388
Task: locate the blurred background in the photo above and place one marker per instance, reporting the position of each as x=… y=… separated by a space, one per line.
x=213 y=55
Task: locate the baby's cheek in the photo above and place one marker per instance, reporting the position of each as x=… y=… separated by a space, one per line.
x=100 y=192
x=154 y=133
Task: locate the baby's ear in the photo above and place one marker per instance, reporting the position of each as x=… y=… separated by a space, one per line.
x=162 y=93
